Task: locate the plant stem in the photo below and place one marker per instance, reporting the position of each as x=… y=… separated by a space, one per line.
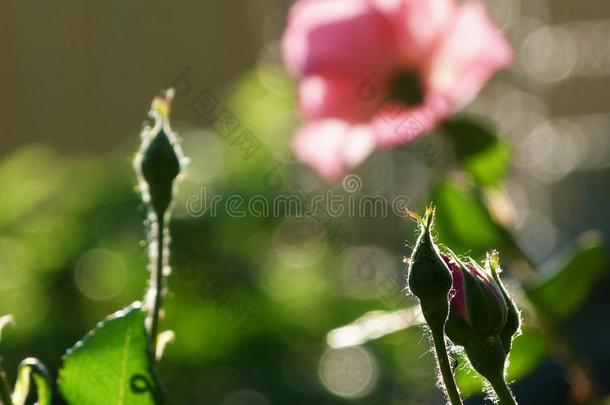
x=503 y=393
x=5 y=393
x=438 y=337
x=158 y=283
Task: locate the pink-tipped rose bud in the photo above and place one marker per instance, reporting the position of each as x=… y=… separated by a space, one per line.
x=482 y=317
x=478 y=308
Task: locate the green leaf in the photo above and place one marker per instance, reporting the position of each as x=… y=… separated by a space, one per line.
x=562 y=292
x=29 y=369
x=483 y=155
x=528 y=350
x=111 y=364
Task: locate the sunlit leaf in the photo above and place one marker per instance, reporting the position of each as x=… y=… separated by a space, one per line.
x=560 y=293
x=111 y=365
x=528 y=350
x=483 y=155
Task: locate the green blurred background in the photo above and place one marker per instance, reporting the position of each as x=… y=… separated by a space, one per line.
x=253 y=299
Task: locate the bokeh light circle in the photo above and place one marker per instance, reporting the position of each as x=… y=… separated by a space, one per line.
x=349 y=373
x=100 y=274
x=549 y=54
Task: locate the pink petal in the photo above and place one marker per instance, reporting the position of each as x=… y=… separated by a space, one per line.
x=348 y=98
x=337 y=36
x=473 y=51
x=332 y=147
x=395 y=124
x=458 y=289
x=419 y=24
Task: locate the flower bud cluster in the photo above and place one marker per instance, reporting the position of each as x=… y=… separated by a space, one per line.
x=482 y=317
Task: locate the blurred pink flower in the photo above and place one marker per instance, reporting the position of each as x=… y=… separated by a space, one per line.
x=378 y=73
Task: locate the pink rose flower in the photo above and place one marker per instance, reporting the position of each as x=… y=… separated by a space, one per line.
x=379 y=73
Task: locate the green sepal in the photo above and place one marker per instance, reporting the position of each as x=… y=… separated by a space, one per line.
x=512 y=327
x=486 y=305
x=487 y=356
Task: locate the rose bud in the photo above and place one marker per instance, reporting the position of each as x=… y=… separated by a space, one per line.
x=482 y=318
x=160 y=159
x=429 y=277
x=478 y=308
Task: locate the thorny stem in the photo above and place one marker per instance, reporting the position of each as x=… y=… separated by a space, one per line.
x=438 y=338
x=157 y=282
x=582 y=383
x=5 y=393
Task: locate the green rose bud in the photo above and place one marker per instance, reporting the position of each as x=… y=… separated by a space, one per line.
x=429 y=278
x=160 y=159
